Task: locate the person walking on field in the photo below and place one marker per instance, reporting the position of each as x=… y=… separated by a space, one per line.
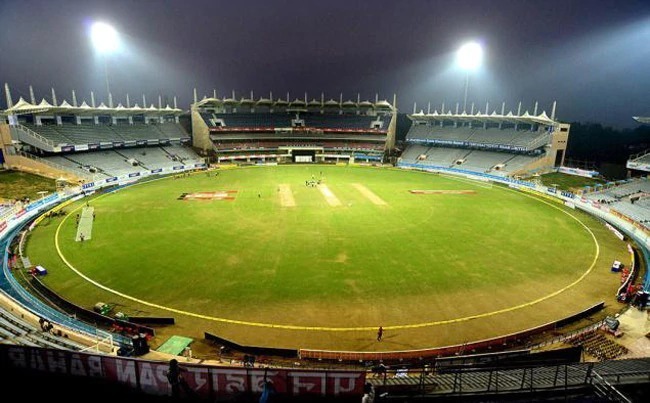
x=380 y=333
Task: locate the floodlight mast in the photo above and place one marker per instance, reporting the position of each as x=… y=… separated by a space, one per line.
x=469 y=58
x=105 y=41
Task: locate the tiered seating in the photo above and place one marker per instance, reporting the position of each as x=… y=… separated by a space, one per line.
x=445 y=156
x=273 y=145
x=328 y=121
x=150 y=158
x=445 y=133
x=171 y=131
x=17 y=331
x=483 y=161
x=149 y=132
x=478 y=136
x=494 y=136
x=72 y=166
x=295 y=136
x=50 y=132
x=599 y=346
x=89 y=133
x=270 y=120
x=93 y=134
x=115 y=162
x=109 y=162
x=281 y=120
x=413 y=152
x=184 y=154
x=616 y=193
x=617 y=197
x=644 y=203
x=475 y=160
x=637 y=212
x=519 y=162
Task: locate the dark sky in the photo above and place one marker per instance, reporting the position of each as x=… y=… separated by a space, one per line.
x=593 y=57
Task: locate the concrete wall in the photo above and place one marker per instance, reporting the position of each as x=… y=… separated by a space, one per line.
x=20 y=163
x=200 y=132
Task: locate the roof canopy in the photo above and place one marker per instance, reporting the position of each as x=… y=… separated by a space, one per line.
x=526 y=118
x=23 y=107
x=217 y=102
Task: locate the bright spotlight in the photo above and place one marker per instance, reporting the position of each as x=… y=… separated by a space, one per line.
x=104 y=37
x=470 y=56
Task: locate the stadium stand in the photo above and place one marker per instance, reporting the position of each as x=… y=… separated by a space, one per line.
x=599 y=346
x=500 y=144
x=72 y=134
x=249 y=131
x=18 y=331
x=89 y=142
x=630 y=198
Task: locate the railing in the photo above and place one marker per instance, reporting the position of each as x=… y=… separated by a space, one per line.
x=526 y=379
x=54 y=164
x=36 y=135
x=638 y=155
x=538 y=142
x=568 y=336
x=606 y=390
x=10 y=287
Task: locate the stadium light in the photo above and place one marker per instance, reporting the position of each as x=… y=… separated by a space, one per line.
x=469 y=58
x=104 y=37
x=105 y=41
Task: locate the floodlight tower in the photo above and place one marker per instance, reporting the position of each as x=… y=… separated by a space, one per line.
x=105 y=41
x=469 y=58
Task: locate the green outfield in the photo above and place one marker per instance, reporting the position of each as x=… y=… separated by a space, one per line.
x=258 y=250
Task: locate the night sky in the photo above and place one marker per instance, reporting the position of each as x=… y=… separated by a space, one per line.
x=593 y=57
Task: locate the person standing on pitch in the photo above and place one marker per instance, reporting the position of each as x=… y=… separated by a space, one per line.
x=380 y=333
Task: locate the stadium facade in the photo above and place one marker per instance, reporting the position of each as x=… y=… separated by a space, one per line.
x=95 y=142
x=640 y=162
x=496 y=143
x=300 y=130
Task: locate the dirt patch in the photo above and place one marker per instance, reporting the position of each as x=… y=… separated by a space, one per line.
x=330 y=197
x=369 y=194
x=218 y=195
x=286 y=196
x=341 y=257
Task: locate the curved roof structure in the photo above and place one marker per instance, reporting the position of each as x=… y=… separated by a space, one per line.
x=526 y=117
x=264 y=101
x=295 y=103
x=383 y=104
x=23 y=107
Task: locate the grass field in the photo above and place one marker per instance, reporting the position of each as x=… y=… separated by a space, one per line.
x=18 y=185
x=282 y=253
x=569 y=182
